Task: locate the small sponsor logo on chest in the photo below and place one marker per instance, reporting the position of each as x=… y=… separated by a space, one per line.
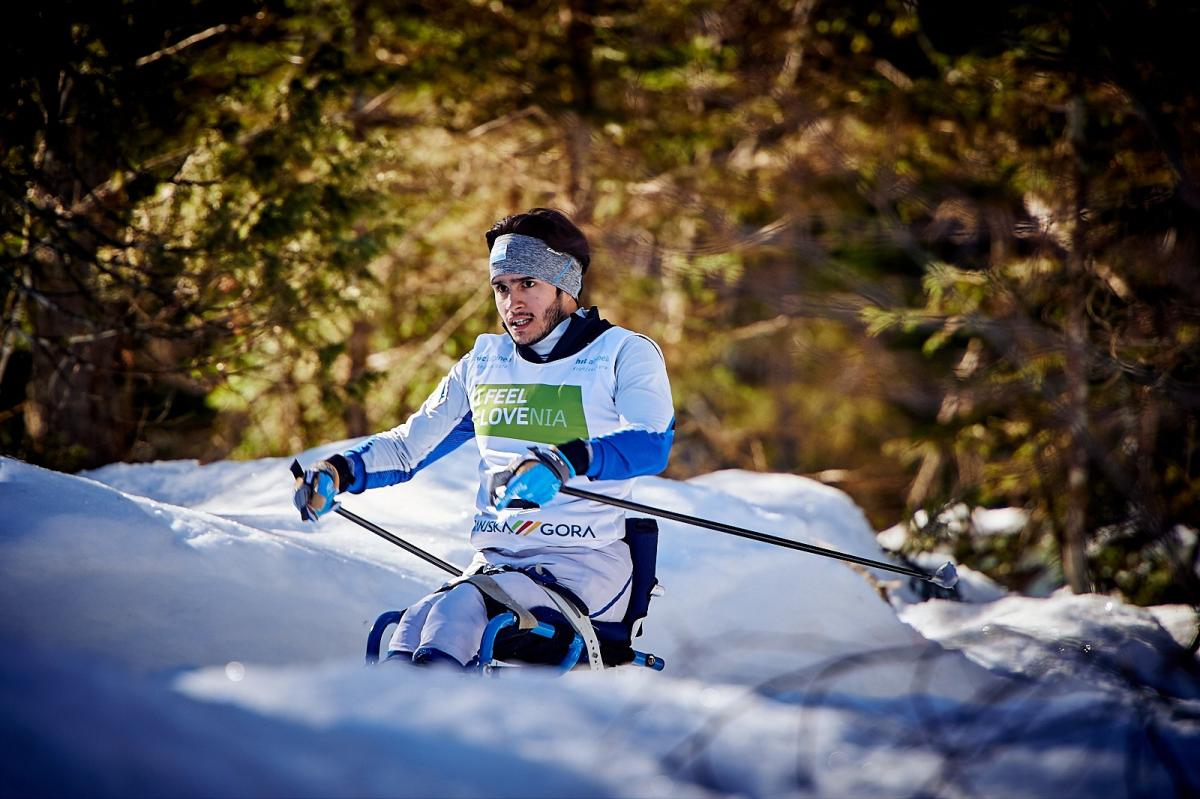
x=585 y=364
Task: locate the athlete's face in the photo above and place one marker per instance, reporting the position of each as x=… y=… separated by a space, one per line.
x=530 y=308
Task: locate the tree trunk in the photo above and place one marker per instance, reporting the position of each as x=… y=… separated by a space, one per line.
x=79 y=402
x=576 y=126
x=1074 y=555
x=355 y=414
x=79 y=408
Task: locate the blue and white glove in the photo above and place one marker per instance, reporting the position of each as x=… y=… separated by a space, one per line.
x=316 y=490
x=534 y=478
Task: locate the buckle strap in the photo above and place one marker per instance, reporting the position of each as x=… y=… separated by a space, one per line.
x=563 y=598
x=580 y=623
x=543 y=577
x=492 y=590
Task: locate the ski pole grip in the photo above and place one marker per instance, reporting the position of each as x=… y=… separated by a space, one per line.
x=297 y=469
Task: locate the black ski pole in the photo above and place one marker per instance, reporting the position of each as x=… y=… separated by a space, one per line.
x=298 y=472
x=946 y=576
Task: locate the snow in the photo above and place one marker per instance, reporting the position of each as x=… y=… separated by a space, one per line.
x=173 y=629
x=959 y=518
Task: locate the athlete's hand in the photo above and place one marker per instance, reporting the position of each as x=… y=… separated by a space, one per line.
x=315 y=491
x=535 y=477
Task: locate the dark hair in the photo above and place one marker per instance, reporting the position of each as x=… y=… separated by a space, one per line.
x=552 y=227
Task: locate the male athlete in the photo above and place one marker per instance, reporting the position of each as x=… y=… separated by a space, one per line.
x=562 y=397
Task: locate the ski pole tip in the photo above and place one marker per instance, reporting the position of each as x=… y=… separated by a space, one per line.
x=946 y=576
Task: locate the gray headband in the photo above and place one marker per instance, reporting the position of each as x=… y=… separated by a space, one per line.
x=514 y=254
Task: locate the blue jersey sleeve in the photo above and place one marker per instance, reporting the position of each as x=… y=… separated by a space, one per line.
x=643 y=400
x=463 y=432
x=630 y=452
x=441 y=425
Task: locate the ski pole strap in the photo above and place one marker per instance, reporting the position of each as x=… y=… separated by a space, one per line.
x=492 y=590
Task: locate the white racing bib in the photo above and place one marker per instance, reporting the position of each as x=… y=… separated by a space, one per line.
x=515 y=403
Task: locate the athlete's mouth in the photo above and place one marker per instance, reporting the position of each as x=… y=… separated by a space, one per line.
x=520 y=321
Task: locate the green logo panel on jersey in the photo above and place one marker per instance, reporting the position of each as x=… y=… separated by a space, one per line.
x=529 y=412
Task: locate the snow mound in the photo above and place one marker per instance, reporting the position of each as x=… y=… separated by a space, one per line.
x=1090 y=639
x=174 y=629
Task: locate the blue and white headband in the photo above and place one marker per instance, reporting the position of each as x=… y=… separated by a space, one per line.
x=514 y=254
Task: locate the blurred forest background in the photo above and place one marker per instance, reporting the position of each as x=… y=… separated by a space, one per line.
x=938 y=254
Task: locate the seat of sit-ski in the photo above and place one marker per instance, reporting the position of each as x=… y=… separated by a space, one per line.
x=615 y=638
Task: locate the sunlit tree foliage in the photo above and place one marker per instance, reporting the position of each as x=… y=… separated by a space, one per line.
x=927 y=252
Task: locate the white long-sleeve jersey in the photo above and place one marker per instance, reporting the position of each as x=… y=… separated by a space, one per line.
x=613 y=394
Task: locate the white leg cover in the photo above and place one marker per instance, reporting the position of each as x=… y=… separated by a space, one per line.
x=453 y=621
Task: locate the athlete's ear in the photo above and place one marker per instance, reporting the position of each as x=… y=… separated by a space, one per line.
x=571 y=302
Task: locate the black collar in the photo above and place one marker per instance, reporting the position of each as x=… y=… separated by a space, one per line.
x=581 y=331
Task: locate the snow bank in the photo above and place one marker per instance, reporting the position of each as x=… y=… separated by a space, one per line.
x=1090 y=640
x=174 y=629
x=154 y=586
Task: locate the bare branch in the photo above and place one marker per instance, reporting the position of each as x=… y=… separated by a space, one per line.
x=195 y=38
